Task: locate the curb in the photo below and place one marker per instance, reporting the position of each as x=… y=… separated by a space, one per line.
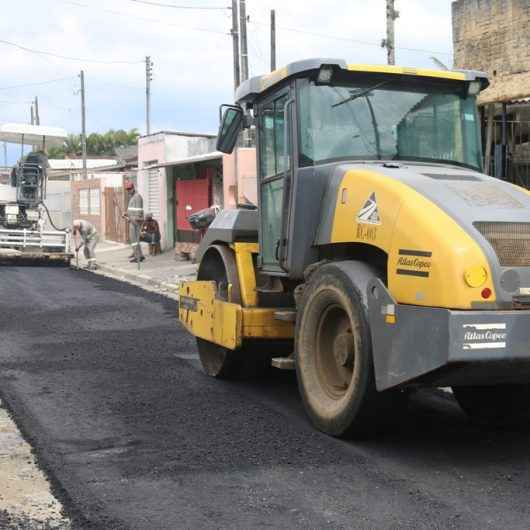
x=141 y=279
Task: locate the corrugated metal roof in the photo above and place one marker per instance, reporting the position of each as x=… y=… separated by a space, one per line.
x=77 y=163
x=189 y=160
x=18 y=133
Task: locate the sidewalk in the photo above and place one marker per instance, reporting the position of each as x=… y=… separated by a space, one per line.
x=161 y=273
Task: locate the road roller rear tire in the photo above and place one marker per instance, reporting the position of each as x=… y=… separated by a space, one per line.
x=501 y=405
x=333 y=357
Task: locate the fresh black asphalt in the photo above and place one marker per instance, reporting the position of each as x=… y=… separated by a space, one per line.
x=105 y=385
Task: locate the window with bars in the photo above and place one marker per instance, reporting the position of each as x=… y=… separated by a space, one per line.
x=94 y=203
x=90 y=201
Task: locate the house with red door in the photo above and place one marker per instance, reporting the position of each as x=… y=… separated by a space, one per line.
x=181 y=173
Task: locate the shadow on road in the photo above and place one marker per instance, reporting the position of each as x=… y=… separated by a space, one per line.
x=433 y=418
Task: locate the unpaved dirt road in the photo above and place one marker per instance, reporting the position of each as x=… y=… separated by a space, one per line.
x=106 y=387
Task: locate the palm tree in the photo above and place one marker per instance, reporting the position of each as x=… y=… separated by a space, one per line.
x=97 y=144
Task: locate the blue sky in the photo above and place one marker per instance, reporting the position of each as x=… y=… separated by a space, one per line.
x=191 y=51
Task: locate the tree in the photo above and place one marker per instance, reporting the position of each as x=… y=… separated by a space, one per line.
x=97 y=144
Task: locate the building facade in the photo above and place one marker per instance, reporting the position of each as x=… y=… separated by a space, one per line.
x=182 y=173
x=102 y=200
x=158 y=156
x=494 y=36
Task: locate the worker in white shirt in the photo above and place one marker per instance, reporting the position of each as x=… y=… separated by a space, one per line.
x=86 y=237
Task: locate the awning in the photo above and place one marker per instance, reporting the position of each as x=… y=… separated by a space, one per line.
x=215 y=155
x=18 y=133
x=522 y=101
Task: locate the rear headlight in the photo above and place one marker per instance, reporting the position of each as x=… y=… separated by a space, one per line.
x=12 y=219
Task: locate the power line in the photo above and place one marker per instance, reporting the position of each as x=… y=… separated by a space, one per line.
x=143 y=19
x=65 y=57
x=346 y=39
x=173 y=6
x=9 y=102
x=37 y=84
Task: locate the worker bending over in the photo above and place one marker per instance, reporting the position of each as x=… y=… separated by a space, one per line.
x=86 y=236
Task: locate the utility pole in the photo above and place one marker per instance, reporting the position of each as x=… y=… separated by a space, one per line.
x=83 y=124
x=235 y=43
x=148 y=79
x=243 y=30
x=33 y=120
x=273 y=40
x=37 y=116
x=389 y=42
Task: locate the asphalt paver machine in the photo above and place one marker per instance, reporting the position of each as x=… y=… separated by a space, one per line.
x=380 y=258
x=26 y=228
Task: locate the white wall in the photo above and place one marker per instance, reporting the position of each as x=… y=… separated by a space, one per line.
x=59 y=203
x=7 y=193
x=179 y=147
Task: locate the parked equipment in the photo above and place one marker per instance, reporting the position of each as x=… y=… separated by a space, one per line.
x=203 y=218
x=23 y=213
x=380 y=250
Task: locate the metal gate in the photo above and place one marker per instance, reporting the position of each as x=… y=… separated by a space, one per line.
x=115 y=224
x=510 y=153
x=192 y=196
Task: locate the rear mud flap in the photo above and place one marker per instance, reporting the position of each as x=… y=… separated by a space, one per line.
x=407 y=341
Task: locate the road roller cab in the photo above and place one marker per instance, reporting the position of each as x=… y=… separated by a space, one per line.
x=379 y=256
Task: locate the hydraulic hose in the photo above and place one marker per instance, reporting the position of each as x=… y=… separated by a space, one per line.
x=50 y=219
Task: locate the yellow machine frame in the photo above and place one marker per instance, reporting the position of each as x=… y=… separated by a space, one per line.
x=227 y=323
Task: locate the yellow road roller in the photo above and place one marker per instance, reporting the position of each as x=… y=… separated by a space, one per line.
x=379 y=258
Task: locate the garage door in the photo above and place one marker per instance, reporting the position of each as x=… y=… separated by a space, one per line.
x=192 y=196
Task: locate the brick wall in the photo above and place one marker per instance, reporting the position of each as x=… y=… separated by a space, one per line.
x=494 y=36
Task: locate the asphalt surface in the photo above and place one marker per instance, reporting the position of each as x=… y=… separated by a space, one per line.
x=106 y=386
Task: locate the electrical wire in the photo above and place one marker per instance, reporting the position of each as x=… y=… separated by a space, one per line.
x=346 y=39
x=38 y=84
x=51 y=54
x=151 y=20
x=173 y=6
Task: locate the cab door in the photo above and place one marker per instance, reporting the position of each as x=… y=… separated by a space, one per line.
x=274 y=126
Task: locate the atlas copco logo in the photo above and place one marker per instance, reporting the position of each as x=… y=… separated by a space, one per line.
x=369 y=213
x=417 y=263
x=484 y=336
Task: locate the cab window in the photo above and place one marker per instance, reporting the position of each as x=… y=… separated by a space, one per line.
x=274 y=160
